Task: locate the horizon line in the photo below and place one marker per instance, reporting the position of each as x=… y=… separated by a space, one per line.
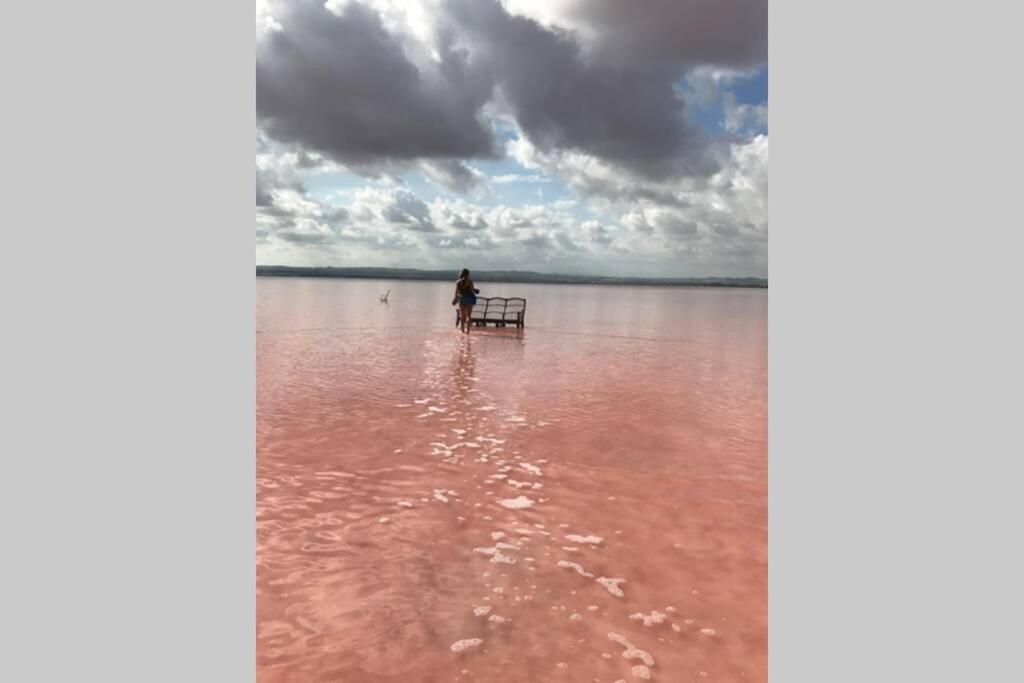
x=440 y=271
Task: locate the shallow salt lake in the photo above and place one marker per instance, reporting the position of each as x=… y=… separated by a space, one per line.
x=583 y=500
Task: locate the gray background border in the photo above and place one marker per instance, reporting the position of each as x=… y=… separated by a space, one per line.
x=894 y=342
x=128 y=362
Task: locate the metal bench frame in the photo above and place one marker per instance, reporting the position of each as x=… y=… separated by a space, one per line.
x=498 y=311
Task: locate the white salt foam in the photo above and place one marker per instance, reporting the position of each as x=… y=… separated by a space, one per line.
x=404 y=504
x=496 y=555
x=642 y=672
x=495 y=619
x=516 y=503
x=576 y=616
x=612 y=585
x=481 y=611
x=495 y=535
x=574 y=566
x=460 y=645
x=677 y=628
x=653 y=618
x=593 y=540
x=632 y=651
x=708 y=631
x=532 y=469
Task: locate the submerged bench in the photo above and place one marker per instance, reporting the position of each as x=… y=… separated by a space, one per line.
x=499 y=311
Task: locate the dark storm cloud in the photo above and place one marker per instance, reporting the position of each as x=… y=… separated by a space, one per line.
x=343 y=86
x=719 y=33
x=624 y=113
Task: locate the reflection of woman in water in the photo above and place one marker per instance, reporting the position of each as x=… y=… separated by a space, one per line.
x=465 y=297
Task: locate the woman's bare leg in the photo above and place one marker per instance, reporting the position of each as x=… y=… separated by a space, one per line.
x=464 y=314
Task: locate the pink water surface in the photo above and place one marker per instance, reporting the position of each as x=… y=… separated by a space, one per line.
x=633 y=418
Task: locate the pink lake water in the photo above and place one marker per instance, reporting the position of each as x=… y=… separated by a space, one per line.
x=582 y=500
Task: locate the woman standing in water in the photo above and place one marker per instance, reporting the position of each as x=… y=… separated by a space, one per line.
x=465 y=297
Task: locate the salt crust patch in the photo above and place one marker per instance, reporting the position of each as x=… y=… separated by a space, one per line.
x=460 y=645
x=481 y=611
x=532 y=469
x=404 y=504
x=579 y=570
x=519 y=503
x=612 y=586
x=632 y=651
x=642 y=672
x=708 y=631
x=576 y=538
x=495 y=619
x=653 y=618
x=519 y=484
x=496 y=555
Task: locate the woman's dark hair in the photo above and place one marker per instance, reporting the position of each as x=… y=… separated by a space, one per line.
x=464 y=274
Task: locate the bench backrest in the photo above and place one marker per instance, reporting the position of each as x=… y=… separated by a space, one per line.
x=500 y=308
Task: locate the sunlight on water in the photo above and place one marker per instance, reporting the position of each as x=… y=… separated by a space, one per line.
x=582 y=500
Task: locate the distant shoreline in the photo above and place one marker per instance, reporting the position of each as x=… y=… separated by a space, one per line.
x=510 y=276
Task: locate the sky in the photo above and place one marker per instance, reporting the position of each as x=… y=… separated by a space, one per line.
x=574 y=136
